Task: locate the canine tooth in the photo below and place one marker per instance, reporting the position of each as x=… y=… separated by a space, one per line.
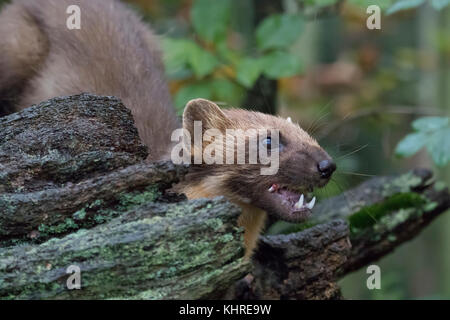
x=310 y=205
x=289 y=119
x=299 y=204
x=271 y=189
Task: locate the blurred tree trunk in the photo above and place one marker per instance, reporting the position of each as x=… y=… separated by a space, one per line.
x=263 y=96
x=444 y=104
x=434 y=91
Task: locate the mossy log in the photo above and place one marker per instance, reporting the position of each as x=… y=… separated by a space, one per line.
x=301 y=265
x=345 y=233
x=154 y=251
x=65 y=140
x=75 y=190
x=384 y=212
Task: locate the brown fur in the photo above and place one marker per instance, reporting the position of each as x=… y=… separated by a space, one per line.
x=242 y=183
x=114 y=53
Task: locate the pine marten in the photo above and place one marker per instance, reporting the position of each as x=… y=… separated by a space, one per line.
x=115 y=53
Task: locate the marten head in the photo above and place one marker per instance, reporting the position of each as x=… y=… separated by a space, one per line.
x=284 y=191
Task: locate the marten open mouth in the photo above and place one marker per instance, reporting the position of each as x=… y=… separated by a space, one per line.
x=298 y=206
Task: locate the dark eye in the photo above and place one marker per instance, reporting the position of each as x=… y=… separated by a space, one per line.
x=267 y=142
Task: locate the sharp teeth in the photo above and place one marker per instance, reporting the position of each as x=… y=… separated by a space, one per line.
x=299 y=204
x=289 y=119
x=271 y=189
x=310 y=205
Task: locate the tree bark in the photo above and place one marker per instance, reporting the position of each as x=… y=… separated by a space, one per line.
x=154 y=251
x=74 y=190
x=64 y=140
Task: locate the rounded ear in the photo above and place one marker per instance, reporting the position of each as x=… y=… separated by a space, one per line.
x=207 y=113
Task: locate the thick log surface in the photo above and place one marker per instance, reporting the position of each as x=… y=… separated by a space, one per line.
x=187 y=250
x=24 y=215
x=384 y=212
x=74 y=190
x=65 y=140
x=301 y=265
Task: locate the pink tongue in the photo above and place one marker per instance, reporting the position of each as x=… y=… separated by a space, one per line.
x=289 y=195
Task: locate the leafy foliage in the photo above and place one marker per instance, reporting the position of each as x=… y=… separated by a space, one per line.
x=410 y=4
x=210 y=21
x=404 y=5
x=432 y=133
x=278 y=31
x=439 y=4
x=212 y=67
x=392 y=6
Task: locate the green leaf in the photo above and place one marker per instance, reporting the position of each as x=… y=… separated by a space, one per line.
x=227 y=91
x=428 y=124
x=439 y=4
x=174 y=56
x=280 y=64
x=411 y=144
x=383 y=4
x=439 y=147
x=228 y=55
x=210 y=18
x=201 y=61
x=248 y=71
x=279 y=31
x=217 y=90
x=404 y=5
x=192 y=91
x=182 y=53
x=324 y=3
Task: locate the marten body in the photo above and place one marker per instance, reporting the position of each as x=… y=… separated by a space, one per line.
x=114 y=53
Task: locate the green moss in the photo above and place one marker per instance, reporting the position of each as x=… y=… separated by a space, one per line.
x=130 y=200
x=430 y=206
x=370 y=215
x=64 y=227
x=6 y=205
x=403 y=183
x=300 y=227
x=390 y=222
x=179 y=256
x=80 y=214
x=94 y=213
x=440 y=186
x=392 y=238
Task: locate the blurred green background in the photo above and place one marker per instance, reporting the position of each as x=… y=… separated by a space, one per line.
x=356 y=90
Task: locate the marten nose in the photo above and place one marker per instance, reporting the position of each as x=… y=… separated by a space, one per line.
x=326 y=168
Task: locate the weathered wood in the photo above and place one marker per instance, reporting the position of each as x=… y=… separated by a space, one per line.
x=301 y=265
x=74 y=190
x=382 y=213
x=371 y=221
x=65 y=140
x=39 y=215
x=186 y=250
